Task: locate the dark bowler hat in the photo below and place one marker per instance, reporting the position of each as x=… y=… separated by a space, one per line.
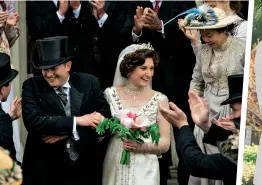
x=235 y=84
x=6 y=73
x=52 y=52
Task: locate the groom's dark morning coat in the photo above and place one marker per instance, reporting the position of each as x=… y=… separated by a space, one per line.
x=43 y=114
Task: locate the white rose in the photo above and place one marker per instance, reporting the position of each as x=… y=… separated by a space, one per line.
x=127 y=122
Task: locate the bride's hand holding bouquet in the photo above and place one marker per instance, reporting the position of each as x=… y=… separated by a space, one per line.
x=131 y=128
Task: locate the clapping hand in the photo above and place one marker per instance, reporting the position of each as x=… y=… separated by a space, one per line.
x=63 y=7
x=174 y=115
x=151 y=20
x=13 y=19
x=199 y=111
x=15 y=109
x=227 y=124
x=98 y=8
x=139 y=23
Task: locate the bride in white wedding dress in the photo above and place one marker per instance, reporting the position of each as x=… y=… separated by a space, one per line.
x=132 y=91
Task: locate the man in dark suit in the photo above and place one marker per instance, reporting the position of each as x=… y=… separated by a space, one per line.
x=6 y=129
x=43 y=19
x=145 y=23
x=80 y=26
x=92 y=28
x=62 y=18
x=60 y=112
x=108 y=38
x=221 y=166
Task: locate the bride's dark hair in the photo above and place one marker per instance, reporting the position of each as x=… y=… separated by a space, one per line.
x=137 y=58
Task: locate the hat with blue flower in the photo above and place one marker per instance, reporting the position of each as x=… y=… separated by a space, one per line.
x=205 y=17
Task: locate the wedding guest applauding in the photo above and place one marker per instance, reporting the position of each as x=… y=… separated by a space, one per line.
x=220 y=166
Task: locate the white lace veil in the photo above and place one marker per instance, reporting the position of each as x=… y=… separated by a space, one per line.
x=118 y=79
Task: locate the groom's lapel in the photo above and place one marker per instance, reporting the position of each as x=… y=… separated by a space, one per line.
x=76 y=98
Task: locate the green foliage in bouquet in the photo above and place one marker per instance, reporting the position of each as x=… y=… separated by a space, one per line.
x=113 y=126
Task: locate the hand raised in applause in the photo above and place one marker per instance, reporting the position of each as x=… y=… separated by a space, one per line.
x=139 y=23
x=98 y=8
x=199 y=111
x=63 y=7
x=15 y=110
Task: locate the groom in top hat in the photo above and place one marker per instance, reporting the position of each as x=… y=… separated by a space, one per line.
x=6 y=129
x=60 y=111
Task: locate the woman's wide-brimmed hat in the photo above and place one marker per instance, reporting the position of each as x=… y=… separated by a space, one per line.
x=206 y=17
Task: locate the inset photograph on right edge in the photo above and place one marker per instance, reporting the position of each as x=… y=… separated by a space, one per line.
x=252 y=166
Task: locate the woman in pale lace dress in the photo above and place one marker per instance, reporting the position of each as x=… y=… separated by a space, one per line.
x=221 y=56
x=230 y=8
x=132 y=91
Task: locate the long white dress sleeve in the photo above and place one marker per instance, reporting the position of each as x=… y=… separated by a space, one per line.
x=164 y=142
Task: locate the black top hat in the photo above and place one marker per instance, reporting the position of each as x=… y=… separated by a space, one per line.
x=6 y=73
x=235 y=84
x=52 y=52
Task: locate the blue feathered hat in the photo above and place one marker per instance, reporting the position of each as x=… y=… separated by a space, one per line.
x=205 y=17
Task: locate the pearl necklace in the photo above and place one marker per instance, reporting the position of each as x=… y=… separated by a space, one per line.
x=131 y=91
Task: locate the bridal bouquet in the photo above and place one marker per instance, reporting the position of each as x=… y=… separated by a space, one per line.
x=129 y=126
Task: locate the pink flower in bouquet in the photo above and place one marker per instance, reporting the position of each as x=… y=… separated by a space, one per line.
x=141 y=122
x=131 y=115
x=127 y=125
x=133 y=121
x=126 y=118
